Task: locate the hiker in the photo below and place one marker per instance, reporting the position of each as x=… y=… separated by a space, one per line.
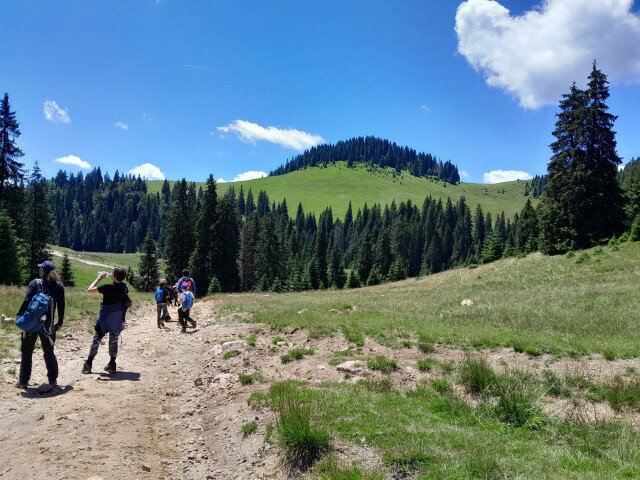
x=187 y=281
x=49 y=284
x=111 y=319
x=163 y=296
x=174 y=295
x=186 y=301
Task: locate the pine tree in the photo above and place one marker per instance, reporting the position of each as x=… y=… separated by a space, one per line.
x=9 y=254
x=11 y=173
x=179 y=240
x=493 y=248
x=227 y=244
x=583 y=201
x=353 y=280
x=148 y=268
x=66 y=272
x=375 y=277
x=214 y=286
x=201 y=264
x=527 y=230
x=38 y=223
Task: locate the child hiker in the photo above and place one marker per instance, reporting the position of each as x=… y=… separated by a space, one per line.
x=115 y=302
x=186 y=300
x=163 y=296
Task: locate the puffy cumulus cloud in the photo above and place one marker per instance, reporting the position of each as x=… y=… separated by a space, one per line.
x=536 y=56
x=221 y=180
x=499 y=176
x=147 y=171
x=73 y=160
x=54 y=113
x=250 y=175
x=122 y=125
x=288 y=138
x=465 y=175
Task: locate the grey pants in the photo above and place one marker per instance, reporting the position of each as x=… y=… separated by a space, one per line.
x=113 y=343
x=163 y=312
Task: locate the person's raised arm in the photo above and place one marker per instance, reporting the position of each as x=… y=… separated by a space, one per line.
x=93 y=288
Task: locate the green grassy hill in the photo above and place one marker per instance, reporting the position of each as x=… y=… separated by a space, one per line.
x=335 y=185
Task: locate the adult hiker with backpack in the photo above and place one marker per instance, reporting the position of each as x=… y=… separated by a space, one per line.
x=187 y=281
x=44 y=296
x=111 y=319
x=163 y=296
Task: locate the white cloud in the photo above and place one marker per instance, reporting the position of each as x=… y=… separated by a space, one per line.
x=536 y=56
x=424 y=108
x=499 y=176
x=54 y=113
x=250 y=175
x=122 y=125
x=73 y=160
x=464 y=174
x=221 y=180
x=148 y=171
x=287 y=138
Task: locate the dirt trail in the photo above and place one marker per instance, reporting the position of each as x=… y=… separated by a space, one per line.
x=57 y=253
x=175 y=408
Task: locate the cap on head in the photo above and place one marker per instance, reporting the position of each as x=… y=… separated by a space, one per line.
x=47 y=265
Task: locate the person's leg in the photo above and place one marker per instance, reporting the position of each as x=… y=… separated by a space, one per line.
x=50 y=359
x=113 y=351
x=93 y=350
x=27 y=343
x=159 y=311
x=181 y=319
x=165 y=312
x=191 y=320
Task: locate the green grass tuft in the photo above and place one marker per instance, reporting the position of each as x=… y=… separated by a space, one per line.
x=230 y=354
x=476 y=375
x=382 y=364
x=249 y=428
x=248 y=379
x=518 y=401
x=426 y=364
x=296 y=354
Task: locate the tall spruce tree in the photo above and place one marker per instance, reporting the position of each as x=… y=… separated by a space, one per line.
x=583 y=200
x=11 y=172
x=227 y=244
x=179 y=241
x=203 y=257
x=66 y=272
x=148 y=269
x=9 y=252
x=38 y=223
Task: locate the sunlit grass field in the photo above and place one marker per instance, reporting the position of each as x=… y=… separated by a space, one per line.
x=539 y=303
x=335 y=185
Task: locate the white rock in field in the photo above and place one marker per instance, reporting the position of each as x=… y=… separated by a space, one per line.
x=222 y=380
x=351 y=366
x=5 y=320
x=239 y=345
x=467 y=302
x=302 y=311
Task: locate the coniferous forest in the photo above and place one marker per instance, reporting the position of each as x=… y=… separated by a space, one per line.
x=242 y=241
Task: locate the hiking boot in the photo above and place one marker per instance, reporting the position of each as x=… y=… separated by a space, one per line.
x=86 y=368
x=21 y=385
x=110 y=367
x=193 y=323
x=184 y=330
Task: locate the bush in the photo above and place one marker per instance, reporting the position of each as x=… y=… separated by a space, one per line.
x=353 y=280
x=382 y=364
x=518 y=401
x=296 y=354
x=477 y=375
x=214 y=286
x=301 y=442
x=583 y=257
x=570 y=254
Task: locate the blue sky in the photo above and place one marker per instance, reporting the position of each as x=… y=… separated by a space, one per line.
x=193 y=87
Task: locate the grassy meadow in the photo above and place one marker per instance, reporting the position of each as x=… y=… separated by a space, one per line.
x=335 y=185
x=560 y=305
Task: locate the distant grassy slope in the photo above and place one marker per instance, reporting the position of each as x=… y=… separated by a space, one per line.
x=336 y=185
x=539 y=303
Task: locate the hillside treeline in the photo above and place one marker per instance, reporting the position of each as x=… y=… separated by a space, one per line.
x=373 y=151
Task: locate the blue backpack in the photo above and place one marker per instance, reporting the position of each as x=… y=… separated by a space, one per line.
x=187 y=301
x=35 y=316
x=160 y=295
